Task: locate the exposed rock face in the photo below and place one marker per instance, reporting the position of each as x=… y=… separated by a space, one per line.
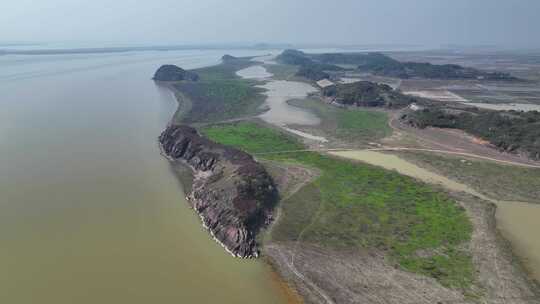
x=171 y=72
x=232 y=193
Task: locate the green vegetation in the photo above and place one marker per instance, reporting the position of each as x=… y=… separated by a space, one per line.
x=510 y=131
x=499 y=181
x=252 y=137
x=219 y=94
x=309 y=69
x=171 y=72
x=383 y=65
x=356 y=205
x=355 y=125
x=224 y=71
x=380 y=64
x=368 y=94
x=218 y=100
x=312 y=72
x=294 y=57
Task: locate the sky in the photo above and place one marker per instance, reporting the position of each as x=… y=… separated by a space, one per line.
x=509 y=23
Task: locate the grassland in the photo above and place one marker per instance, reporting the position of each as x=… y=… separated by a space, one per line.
x=251 y=137
x=498 y=181
x=219 y=95
x=354 y=205
x=356 y=125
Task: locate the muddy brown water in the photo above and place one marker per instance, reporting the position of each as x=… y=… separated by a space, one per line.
x=89 y=210
x=519 y=222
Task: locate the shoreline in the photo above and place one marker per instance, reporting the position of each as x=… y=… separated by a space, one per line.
x=190 y=200
x=502 y=242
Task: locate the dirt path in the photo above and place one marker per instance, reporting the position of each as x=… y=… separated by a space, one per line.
x=306 y=281
x=311 y=176
x=451 y=141
x=508 y=162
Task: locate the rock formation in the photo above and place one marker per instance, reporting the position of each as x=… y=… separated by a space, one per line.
x=368 y=94
x=228 y=57
x=171 y=72
x=232 y=193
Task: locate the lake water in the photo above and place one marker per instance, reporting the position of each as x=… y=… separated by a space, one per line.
x=89 y=211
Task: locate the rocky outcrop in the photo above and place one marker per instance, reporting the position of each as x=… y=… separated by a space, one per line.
x=368 y=94
x=228 y=57
x=231 y=192
x=171 y=72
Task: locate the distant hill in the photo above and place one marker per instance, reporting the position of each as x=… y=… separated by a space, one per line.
x=294 y=57
x=309 y=68
x=383 y=65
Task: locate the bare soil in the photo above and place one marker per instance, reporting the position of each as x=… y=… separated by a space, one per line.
x=323 y=275
x=452 y=141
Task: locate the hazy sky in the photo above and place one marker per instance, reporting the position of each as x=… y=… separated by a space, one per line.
x=433 y=22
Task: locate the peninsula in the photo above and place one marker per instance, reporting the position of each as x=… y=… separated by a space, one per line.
x=340 y=223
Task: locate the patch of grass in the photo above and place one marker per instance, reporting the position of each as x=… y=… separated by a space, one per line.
x=251 y=137
x=298 y=212
x=349 y=125
x=224 y=71
x=219 y=95
x=499 y=181
x=448 y=268
x=359 y=205
x=218 y=100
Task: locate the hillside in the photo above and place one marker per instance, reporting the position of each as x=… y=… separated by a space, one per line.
x=509 y=131
x=383 y=65
x=368 y=94
x=308 y=68
x=171 y=72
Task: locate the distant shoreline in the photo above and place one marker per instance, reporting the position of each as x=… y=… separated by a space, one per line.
x=121 y=49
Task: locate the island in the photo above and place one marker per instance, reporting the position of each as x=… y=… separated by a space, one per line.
x=338 y=219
